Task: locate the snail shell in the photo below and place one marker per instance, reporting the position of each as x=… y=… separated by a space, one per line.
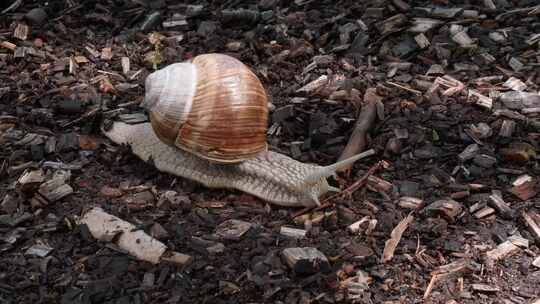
x=213 y=106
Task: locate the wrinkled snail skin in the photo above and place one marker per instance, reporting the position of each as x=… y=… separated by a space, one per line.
x=270 y=176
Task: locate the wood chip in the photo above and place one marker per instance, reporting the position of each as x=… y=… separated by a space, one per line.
x=481 y=100
x=21 y=31
x=525 y=190
x=292 y=232
x=136 y=242
x=409 y=202
x=446 y=272
x=356 y=226
x=125 y=65
x=515 y=64
x=232 y=229
x=177 y=258
x=446 y=207
x=81 y=59
x=536 y=262
x=55 y=189
x=460 y=36
x=391 y=244
x=8 y=45
x=106 y=53
x=522 y=179
x=507 y=128
x=531 y=220
x=515 y=84
x=32 y=177
x=305 y=260
x=503 y=250
x=519 y=241
x=92 y=51
x=484 y=288
x=484 y=212
x=422 y=41
x=502 y=207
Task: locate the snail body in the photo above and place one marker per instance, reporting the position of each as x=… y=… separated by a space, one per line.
x=234 y=156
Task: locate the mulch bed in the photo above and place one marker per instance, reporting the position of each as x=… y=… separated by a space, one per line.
x=450 y=215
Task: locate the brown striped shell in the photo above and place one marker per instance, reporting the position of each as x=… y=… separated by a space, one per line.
x=213 y=106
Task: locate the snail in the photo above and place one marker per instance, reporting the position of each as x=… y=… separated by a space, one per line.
x=208 y=122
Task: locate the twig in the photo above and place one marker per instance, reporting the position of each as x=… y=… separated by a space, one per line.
x=347 y=192
x=366 y=118
x=405 y=88
x=90 y=113
x=13 y=6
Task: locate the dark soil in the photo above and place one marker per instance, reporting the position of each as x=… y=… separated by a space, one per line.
x=58 y=84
